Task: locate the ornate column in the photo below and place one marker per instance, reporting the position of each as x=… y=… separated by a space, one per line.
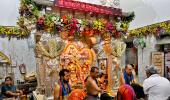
x=47 y=53
x=114 y=49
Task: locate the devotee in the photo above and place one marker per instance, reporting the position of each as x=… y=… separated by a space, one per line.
x=126 y=92
x=62 y=88
x=138 y=91
x=155 y=86
x=9 y=90
x=128 y=75
x=91 y=84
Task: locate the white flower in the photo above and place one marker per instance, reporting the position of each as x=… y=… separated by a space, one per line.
x=54 y=19
x=58 y=18
x=79 y=21
x=118 y=26
x=61 y=20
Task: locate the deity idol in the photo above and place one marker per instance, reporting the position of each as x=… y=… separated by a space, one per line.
x=74 y=73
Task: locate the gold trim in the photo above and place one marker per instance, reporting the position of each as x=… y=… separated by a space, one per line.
x=5 y=58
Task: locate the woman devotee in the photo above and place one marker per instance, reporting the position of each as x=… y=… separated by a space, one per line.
x=126 y=92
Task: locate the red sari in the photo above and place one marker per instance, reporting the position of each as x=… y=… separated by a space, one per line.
x=126 y=92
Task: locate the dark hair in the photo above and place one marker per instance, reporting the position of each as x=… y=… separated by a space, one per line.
x=126 y=66
x=62 y=72
x=105 y=96
x=102 y=74
x=138 y=90
x=93 y=69
x=133 y=66
x=8 y=78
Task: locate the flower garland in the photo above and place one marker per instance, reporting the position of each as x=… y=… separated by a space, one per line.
x=155 y=29
x=8 y=31
x=68 y=27
x=13 y=32
x=29 y=13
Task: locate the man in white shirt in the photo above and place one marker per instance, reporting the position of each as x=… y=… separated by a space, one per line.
x=155 y=86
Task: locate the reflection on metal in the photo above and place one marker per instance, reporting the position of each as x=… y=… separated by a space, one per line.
x=116 y=2
x=110 y=3
x=6 y=68
x=4 y=58
x=44 y=2
x=118 y=48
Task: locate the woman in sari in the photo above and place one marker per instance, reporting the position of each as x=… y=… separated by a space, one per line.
x=126 y=92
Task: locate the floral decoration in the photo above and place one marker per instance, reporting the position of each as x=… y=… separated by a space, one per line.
x=68 y=27
x=75 y=28
x=155 y=29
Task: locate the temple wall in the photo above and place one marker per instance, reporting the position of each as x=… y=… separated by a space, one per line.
x=20 y=52
x=144 y=57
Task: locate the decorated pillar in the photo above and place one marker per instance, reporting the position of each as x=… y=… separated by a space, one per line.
x=40 y=68
x=47 y=50
x=114 y=49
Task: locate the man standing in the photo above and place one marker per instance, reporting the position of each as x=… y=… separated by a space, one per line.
x=155 y=86
x=128 y=75
x=91 y=83
x=9 y=90
x=62 y=88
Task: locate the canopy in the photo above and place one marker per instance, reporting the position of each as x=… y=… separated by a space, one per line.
x=87 y=7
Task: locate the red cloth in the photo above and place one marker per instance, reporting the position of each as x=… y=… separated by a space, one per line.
x=77 y=94
x=126 y=92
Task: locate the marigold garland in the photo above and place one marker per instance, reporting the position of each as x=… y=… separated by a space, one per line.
x=155 y=29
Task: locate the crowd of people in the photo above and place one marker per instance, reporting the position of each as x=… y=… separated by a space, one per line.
x=154 y=87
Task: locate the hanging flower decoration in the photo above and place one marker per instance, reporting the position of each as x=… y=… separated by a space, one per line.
x=139 y=42
x=66 y=26
x=124 y=26
x=52 y=24
x=73 y=27
x=98 y=25
x=88 y=29
x=109 y=27
x=13 y=32
x=29 y=9
x=155 y=29
x=30 y=12
x=64 y=20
